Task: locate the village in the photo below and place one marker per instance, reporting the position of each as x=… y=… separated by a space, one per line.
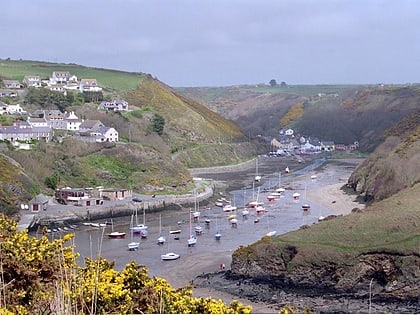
x=40 y=125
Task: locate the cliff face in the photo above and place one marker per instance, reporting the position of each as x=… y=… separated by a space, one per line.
x=392 y=275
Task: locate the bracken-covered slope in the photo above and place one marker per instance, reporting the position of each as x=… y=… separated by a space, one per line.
x=394 y=165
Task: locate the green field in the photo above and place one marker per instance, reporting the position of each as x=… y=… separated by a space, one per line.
x=108 y=79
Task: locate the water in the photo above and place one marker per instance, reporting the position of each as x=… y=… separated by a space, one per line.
x=283 y=215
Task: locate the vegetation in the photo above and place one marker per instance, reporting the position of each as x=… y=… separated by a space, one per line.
x=42 y=277
x=388 y=226
x=111 y=80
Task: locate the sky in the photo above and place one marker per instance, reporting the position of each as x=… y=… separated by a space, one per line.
x=222 y=42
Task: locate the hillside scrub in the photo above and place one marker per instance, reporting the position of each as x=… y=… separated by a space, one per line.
x=394 y=165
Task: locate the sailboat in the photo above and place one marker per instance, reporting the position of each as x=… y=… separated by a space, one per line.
x=161 y=239
x=115 y=234
x=306 y=206
x=192 y=240
x=140 y=228
x=132 y=246
x=169 y=255
x=257 y=176
x=218 y=235
x=270 y=233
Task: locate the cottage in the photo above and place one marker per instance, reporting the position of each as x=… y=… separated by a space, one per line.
x=39 y=202
x=59 y=77
x=8 y=93
x=115 y=105
x=37 y=122
x=327 y=146
x=89 y=85
x=12 y=84
x=13 y=109
x=116 y=194
x=87 y=125
x=105 y=134
x=72 y=122
x=32 y=81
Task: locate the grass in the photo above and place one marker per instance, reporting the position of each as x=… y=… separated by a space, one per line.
x=108 y=79
x=386 y=226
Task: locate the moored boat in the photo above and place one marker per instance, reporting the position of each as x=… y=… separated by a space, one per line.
x=169 y=256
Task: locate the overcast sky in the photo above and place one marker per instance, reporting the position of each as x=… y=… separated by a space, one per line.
x=222 y=42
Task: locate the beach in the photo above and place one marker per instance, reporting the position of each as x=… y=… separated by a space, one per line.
x=325 y=191
x=284 y=214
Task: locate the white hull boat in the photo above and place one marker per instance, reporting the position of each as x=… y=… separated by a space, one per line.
x=169 y=256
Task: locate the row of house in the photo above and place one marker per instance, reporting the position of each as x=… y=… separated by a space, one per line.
x=60 y=81
x=288 y=142
x=41 y=124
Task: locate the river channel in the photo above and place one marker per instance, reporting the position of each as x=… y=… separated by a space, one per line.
x=282 y=215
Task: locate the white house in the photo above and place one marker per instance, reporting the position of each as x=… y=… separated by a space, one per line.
x=32 y=80
x=59 y=77
x=114 y=105
x=105 y=134
x=72 y=122
x=89 y=85
x=14 y=109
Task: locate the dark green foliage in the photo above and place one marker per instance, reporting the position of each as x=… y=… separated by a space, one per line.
x=52 y=181
x=158 y=124
x=46 y=99
x=93 y=96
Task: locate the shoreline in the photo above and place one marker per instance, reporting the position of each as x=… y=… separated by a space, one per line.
x=324 y=195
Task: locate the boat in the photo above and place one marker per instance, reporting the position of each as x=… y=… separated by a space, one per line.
x=245 y=213
x=192 y=240
x=229 y=208
x=132 y=246
x=178 y=231
x=161 y=239
x=296 y=196
x=141 y=229
x=116 y=234
x=287 y=170
x=257 y=177
x=271 y=233
x=198 y=230
x=306 y=206
x=255 y=202
x=218 y=235
x=260 y=209
x=169 y=256
x=271 y=197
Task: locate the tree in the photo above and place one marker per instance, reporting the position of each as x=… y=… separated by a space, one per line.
x=42 y=277
x=283 y=84
x=158 y=124
x=273 y=83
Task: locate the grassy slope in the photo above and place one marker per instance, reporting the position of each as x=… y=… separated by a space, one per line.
x=390 y=225
x=109 y=79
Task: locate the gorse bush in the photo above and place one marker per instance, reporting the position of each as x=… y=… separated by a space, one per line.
x=42 y=277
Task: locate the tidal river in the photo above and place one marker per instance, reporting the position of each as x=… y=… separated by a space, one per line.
x=282 y=215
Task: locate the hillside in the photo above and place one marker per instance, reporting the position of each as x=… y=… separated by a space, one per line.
x=143 y=160
x=342 y=114
x=394 y=165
